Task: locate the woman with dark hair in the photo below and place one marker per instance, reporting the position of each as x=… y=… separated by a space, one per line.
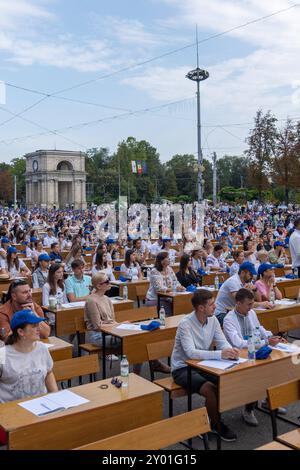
x=75 y=253
x=13 y=265
x=131 y=268
x=27 y=369
x=101 y=265
x=55 y=285
x=186 y=274
x=199 y=256
x=162 y=278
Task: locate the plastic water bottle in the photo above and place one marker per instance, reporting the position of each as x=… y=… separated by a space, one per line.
x=257 y=339
x=217 y=282
x=295 y=272
x=251 y=348
x=162 y=316
x=298 y=298
x=59 y=299
x=148 y=273
x=130 y=274
x=272 y=296
x=174 y=286
x=125 y=293
x=124 y=371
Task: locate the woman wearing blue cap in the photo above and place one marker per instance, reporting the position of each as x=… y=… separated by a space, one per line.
x=278 y=255
x=27 y=369
x=40 y=275
x=266 y=283
x=13 y=265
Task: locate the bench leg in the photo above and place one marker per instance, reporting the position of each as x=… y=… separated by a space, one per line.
x=205 y=442
x=170 y=406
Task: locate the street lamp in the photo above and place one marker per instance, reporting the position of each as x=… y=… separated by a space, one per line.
x=199 y=75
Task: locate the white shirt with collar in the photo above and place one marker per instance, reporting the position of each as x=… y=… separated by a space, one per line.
x=233 y=331
x=294 y=245
x=225 y=300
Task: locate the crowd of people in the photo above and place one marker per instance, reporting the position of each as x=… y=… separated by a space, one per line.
x=246 y=243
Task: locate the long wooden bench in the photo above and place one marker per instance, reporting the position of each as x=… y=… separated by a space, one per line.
x=157 y=435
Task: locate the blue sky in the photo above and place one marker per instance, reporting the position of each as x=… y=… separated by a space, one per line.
x=52 y=45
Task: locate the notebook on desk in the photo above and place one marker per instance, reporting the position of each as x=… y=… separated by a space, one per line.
x=53 y=402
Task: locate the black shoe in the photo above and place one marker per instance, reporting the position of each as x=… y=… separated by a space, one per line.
x=226 y=434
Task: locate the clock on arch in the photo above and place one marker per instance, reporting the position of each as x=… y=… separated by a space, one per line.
x=35 y=165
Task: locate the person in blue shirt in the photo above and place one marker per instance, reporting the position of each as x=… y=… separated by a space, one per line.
x=78 y=285
x=55 y=255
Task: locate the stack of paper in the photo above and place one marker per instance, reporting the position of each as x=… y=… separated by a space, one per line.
x=129 y=326
x=222 y=364
x=288 y=348
x=53 y=402
x=74 y=304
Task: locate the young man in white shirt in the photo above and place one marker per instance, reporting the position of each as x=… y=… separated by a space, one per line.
x=238 y=324
x=215 y=260
x=294 y=245
x=195 y=334
x=226 y=296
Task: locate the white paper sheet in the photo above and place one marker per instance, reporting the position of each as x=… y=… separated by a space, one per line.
x=48 y=345
x=285 y=302
x=52 y=402
x=288 y=348
x=222 y=364
x=74 y=304
x=129 y=326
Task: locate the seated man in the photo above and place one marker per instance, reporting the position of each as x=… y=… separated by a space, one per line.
x=195 y=335
x=78 y=284
x=20 y=298
x=238 y=324
x=55 y=255
x=226 y=296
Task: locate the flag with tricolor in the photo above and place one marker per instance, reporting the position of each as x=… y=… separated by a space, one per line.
x=139 y=167
x=133 y=166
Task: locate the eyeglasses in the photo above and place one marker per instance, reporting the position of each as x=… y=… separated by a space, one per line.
x=104 y=282
x=116 y=382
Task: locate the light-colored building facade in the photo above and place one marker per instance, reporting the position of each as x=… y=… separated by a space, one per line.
x=56 y=178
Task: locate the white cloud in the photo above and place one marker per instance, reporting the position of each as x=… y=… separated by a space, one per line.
x=129 y=31
x=15 y=11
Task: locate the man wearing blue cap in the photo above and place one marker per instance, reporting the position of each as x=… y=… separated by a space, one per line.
x=226 y=296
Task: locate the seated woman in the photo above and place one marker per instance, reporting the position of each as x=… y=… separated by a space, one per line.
x=13 y=265
x=186 y=275
x=198 y=259
x=55 y=285
x=162 y=278
x=265 y=282
x=98 y=309
x=102 y=266
x=40 y=274
x=239 y=258
x=37 y=250
x=278 y=254
x=27 y=369
x=131 y=268
x=75 y=253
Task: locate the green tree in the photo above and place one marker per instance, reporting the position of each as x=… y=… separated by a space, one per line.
x=184 y=168
x=18 y=169
x=262 y=147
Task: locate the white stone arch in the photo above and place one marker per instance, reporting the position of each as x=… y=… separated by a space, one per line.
x=65 y=165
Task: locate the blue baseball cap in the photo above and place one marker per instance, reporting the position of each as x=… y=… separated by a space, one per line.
x=12 y=249
x=5 y=240
x=224 y=234
x=109 y=241
x=278 y=244
x=33 y=239
x=248 y=266
x=264 y=267
x=23 y=317
x=44 y=257
x=167 y=239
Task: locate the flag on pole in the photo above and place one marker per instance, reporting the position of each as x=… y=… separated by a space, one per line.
x=133 y=166
x=139 y=167
x=144 y=168
x=2 y=93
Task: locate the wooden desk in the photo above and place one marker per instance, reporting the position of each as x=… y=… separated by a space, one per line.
x=108 y=412
x=282 y=285
x=60 y=350
x=248 y=382
x=181 y=302
x=65 y=317
x=133 y=343
x=209 y=279
x=131 y=286
x=268 y=318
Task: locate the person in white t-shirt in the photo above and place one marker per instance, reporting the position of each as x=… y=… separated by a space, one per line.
x=13 y=265
x=27 y=369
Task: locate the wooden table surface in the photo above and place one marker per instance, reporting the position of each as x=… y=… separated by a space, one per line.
x=60 y=350
x=268 y=317
x=108 y=412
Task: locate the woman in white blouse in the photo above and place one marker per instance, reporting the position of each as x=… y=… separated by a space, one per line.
x=101 y=265
x=55 y=285
x=131 y=268
x=162 y=278
x=13 y=265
